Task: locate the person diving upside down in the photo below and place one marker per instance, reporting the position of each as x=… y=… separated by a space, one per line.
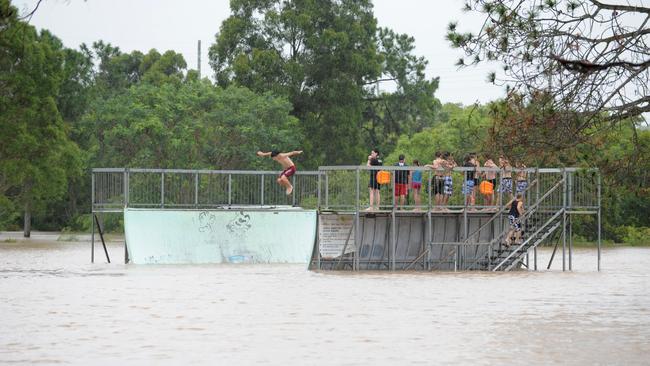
x=287 y=164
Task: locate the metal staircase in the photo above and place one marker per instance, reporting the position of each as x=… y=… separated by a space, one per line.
x=539 y=221
x=507 y=258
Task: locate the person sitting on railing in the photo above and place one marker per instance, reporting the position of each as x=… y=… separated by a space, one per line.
x=401 y=183
x=506 y=175
x=516 y=211
x=287 y=164
x=373 y=185
x=449 y=164
x=438 y=179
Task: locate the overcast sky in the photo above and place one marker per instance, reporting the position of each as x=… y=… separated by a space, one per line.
x=178 y=25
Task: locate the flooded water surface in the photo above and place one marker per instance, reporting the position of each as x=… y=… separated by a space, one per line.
x=56 y=307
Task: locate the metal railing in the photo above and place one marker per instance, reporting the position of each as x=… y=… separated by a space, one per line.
x=113 y=189
x=346 y=188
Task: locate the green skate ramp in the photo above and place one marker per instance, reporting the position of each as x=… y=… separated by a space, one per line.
x=219 y=236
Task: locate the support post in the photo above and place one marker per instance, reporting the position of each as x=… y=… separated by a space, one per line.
x=262 y=190
x=327 y=190
x=564 y=204
x=318 y=203
x=126 y=187
x=293 y=192
x=92 y=212
x=465 y=225
x=430 y=224
x=196 y=190
x=229 y=190
x=357 y=221
x=101 y=235
x=393 y=236
x=570 y=242
x=599 y=221
x=162 y=189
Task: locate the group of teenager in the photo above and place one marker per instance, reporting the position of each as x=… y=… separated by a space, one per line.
x=443 y=185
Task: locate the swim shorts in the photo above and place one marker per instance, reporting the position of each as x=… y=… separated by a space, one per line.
x=288 y=172
x=506 y=185
x=401 y=189
x=468 y=188
x=515 y=223
x=438 y=185
x=416 y=185
x=449 y=190
x=521 y=186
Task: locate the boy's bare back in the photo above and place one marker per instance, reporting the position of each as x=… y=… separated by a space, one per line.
x=282 y=158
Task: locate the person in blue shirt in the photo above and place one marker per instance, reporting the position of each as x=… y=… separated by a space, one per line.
x=416 y=184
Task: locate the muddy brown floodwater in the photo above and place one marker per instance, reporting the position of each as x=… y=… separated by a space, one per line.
x=57 y=308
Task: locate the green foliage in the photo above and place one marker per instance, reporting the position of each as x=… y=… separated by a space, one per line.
x=37 y=158
x=188 y=125
x=633 y=235
x=325 y=56
x=459 y=130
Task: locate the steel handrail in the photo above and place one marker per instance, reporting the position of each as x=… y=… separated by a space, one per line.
x=530 y=211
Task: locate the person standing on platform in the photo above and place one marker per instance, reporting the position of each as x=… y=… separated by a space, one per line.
x=287 y=164
x=438 y=179
x=373 y=185
x=468 y=187
x=416 y=185
x=490 y=176
x=505 y=185
x=522 y=179
x=449 y=164
x=401 y=183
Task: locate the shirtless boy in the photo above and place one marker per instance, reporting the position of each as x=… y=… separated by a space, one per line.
x=438 y=179
x=287 y=164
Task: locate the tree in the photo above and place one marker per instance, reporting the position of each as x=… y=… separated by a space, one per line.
x=326 y=57
x=188 y=125
x=457 y=129
x=410 y=105
x=36 y=155
x=587 y=61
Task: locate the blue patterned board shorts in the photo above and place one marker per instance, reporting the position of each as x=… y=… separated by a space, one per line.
x=521 y=186
x=505 y=185
x=449 y=189
x=468 y=187
x=515 y=223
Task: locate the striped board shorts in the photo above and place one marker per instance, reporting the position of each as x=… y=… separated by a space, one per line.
x=521 y=186
x=449 y=189
x=468 y=187
x=506 y=185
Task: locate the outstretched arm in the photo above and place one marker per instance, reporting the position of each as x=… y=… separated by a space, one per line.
x=263 y=154
x=292 y=153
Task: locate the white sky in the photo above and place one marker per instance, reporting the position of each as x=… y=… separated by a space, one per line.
x=178 y=25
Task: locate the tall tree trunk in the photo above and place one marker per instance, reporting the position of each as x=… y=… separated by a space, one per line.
x=27 y=228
